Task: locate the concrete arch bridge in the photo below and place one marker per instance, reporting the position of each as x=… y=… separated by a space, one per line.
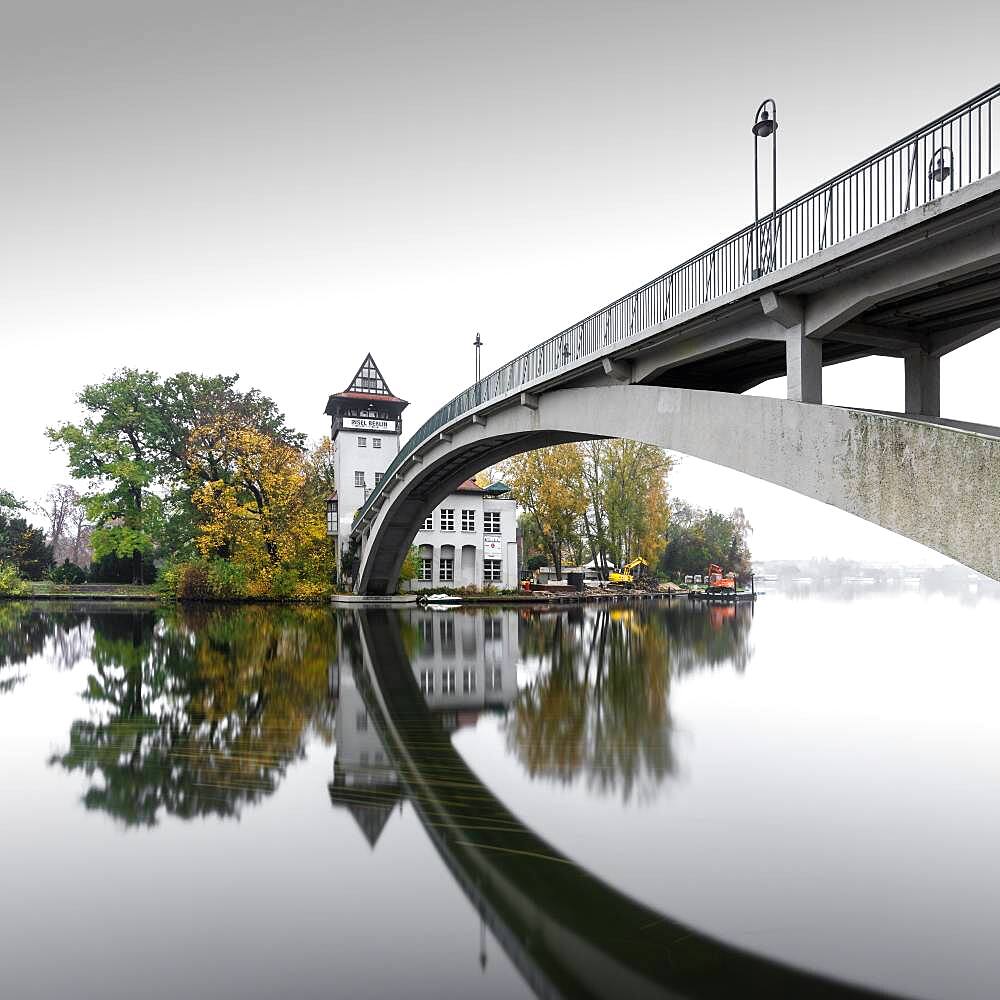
x=898 y=256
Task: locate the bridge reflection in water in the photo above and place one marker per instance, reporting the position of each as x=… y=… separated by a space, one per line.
x=568 y=932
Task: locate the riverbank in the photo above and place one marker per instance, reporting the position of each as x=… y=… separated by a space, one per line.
x=44 y=590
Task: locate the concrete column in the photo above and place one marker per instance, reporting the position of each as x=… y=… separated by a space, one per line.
x=803 y=366
x=923 y=384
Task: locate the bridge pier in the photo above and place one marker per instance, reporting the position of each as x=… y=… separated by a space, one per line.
x=923 y=384
x=803 y=355
x=803 y=366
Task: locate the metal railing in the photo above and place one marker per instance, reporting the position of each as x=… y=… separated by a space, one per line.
x=943 y=156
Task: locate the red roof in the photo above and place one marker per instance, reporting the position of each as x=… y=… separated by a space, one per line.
x=374 y=396
x=470 y=486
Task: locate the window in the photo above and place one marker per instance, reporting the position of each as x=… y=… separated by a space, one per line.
x=427 y=681
x=446 y=570
x=359 y=479
x=491 y=522
x=448 y=520
x=426 y=570
x=468 y=681
x=491 y=570
x=362 y=442
x=493 y=628
x=448 y=637
x=361 y=722
x=426 y=629
x=376 y=442
x=468 y=520
x=378 y=477
x=447 y=682
x=494 y=679
x=428 y=523
x=331 y=519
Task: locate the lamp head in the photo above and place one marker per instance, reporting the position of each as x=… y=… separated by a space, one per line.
x=765 y=125
x=939 y=170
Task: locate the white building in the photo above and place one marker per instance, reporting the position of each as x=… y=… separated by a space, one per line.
x=470 y=539
x=366 y=425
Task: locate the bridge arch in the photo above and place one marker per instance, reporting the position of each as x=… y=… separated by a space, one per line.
x=935 y=482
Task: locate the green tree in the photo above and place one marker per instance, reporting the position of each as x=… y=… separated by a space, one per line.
x=9 y=502
x=699 y=536
x=24 y=547
x=138 y=449
x=114 y=448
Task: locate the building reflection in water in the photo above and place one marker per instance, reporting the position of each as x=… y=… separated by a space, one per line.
x=593 y=702
x=464 y=664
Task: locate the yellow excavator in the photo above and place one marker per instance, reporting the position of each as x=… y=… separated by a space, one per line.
x=627 y=575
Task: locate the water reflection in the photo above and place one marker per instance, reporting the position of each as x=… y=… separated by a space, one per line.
x=197 y=712
x=568 y=932
x=598 y=701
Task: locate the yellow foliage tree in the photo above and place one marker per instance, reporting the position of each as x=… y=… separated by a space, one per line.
x=267 y=519
x=635 y=500
x=548 y=486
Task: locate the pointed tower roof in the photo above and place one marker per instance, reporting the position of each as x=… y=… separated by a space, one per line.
x=370 y=805
x=367 y=386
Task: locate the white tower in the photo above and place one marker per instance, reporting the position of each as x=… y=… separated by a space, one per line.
x=365 y=430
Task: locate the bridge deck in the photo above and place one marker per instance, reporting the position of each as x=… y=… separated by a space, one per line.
x=700 y=325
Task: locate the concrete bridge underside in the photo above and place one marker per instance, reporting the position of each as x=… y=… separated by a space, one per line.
x=915 y=288
x=924 y=478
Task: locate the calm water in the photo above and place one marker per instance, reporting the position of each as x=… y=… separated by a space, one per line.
x=630 y=801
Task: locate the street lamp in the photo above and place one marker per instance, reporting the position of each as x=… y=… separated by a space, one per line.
x=478 y=343
x=940 y=169
x=765 y=123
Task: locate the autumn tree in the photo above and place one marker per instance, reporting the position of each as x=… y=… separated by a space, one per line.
x=548 y=486
x=268 y=516
x=635 y=499
x=134 y=449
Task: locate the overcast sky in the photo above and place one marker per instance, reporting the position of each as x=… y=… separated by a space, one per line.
x=275 y=188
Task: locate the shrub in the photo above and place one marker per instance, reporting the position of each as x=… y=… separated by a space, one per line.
x=228 y=581
x=67 y=573
x=194 y=582
x=11 y=584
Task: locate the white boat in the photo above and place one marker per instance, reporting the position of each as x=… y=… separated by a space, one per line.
x=440 y=599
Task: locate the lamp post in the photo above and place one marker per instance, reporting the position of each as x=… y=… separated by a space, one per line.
x=765 y=124
x=939 y=169
x=477 y=343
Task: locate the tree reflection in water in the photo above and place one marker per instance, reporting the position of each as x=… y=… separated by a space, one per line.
x=598 y=701
x=199 y=711
x=22 y=636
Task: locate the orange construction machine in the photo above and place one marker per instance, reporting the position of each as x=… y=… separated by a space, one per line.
x=716 y=579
